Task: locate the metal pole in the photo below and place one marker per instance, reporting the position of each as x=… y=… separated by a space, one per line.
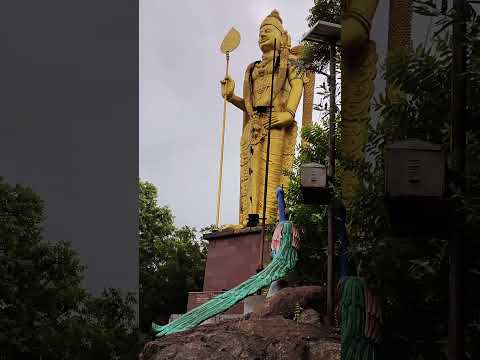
x=331 y=174
x=264 y=215
x=217 y=220
x=343 y=235
x=455 y=320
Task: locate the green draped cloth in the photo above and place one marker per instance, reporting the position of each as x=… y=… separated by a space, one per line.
x=283 y=261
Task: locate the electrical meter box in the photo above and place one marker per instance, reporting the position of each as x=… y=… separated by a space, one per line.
x=313 y=181
x=415 y=168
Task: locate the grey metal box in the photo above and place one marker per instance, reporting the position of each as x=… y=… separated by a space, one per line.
x=313 y=181
x=414 y=168
x=313 y=175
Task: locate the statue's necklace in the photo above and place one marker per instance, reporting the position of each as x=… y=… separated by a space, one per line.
x=263 y=67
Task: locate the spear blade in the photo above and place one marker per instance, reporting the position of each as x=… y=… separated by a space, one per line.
x=231 y=41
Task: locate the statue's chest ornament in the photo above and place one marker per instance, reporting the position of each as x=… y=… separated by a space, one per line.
x=261 y=88
x=262 y=69
x=261 y=79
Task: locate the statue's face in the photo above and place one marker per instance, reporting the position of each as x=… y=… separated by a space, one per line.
x=267 y=36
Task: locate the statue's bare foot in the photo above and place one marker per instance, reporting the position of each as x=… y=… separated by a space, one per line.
x=232 y=227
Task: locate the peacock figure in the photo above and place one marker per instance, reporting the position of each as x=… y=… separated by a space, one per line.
x=284 y=252
x=360 y=319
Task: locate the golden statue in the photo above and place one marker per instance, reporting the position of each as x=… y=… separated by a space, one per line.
x=287 y=90
x=359 y=69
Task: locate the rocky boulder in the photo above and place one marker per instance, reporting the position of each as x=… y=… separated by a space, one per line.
x=266 y=334
x=309 y=316
x=273 y=338
x=288 y=300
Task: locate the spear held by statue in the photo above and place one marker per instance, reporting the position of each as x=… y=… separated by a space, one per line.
x=229 y=43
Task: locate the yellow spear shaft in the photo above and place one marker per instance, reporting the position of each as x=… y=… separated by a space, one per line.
x=221 y=146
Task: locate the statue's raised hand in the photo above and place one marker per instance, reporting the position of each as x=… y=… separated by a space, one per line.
x=227 y=87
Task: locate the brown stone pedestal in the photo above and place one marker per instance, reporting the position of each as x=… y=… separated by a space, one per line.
x=233 y=257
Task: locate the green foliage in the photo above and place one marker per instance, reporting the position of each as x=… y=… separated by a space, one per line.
x=105 y=326
x=410 y=273
x=317 y=56
x=172 y=261
x=44 y=311
x=424 y=76
x=311 y=219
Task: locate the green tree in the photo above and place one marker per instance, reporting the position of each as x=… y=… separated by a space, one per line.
x=312 y=219
x=44 y=312
x=317 y=55
x=172 y=261
x=410 y=273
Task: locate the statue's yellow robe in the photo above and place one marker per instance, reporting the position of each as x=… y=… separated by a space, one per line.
x=253 y=143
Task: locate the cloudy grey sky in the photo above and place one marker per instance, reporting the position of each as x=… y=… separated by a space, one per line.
x=180 y=106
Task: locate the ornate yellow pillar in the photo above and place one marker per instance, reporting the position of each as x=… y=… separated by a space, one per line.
x=399 y=37
x=308 y=94
x=359 y=69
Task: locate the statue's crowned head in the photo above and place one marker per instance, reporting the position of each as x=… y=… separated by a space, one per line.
x=272 y=29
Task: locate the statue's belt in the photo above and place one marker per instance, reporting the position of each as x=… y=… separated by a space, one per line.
x=261 y=109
